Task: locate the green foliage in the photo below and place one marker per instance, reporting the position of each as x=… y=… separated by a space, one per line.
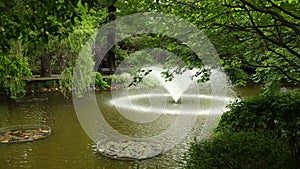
x=13 y=70
x=85 y=25
x=147 y=81
x=136 y=6
x=139 y=76
x=84 y=77
x=35 y=22
x=113 y=79
x=275 y=112
x=99 y=82
x=64 y=50
x=149 y=50
x=125 y=77
x=242 y=150
x=256 y=40
x=33 y=29
x=65 y=82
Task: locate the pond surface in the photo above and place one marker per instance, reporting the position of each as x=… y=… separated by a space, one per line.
x=68 y=147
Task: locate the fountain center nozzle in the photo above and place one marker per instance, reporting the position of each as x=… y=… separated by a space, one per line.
x=175 y=102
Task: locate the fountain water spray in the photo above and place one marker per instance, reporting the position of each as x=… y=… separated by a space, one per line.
x=92 y=119
x=177 y=86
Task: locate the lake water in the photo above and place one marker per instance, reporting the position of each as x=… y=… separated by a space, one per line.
x=68 y=147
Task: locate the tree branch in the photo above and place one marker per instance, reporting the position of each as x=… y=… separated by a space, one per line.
x=276 y=67
x=239 y=27
x=276 y=15
x=193 y=6
x=282 y=56
x=283 y=10
x=270 y=39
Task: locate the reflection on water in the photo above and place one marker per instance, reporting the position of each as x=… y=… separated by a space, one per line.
x=69 y=147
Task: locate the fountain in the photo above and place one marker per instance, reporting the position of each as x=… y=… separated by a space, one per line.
x=182 y=95
x=149 y=103
x=164 y=111
x=167 y=98
x=176 y=87
x=155 y=97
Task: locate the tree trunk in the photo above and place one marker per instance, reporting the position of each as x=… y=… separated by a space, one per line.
x=45 y=66
x=106 y=60
x=111 y=58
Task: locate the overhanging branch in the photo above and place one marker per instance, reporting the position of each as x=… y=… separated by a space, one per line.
x=276 y=15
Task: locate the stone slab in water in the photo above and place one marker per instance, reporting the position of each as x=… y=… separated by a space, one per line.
x=23 y=133
x=129 y=149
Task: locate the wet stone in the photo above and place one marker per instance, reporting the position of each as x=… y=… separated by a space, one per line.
x=23 y=133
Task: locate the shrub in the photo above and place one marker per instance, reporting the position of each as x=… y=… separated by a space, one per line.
x=112 y=79
x=278 y=113
x=125 y=77
x=65 y=83
x=13 y=70
x=99 y=82
x=241 y=150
